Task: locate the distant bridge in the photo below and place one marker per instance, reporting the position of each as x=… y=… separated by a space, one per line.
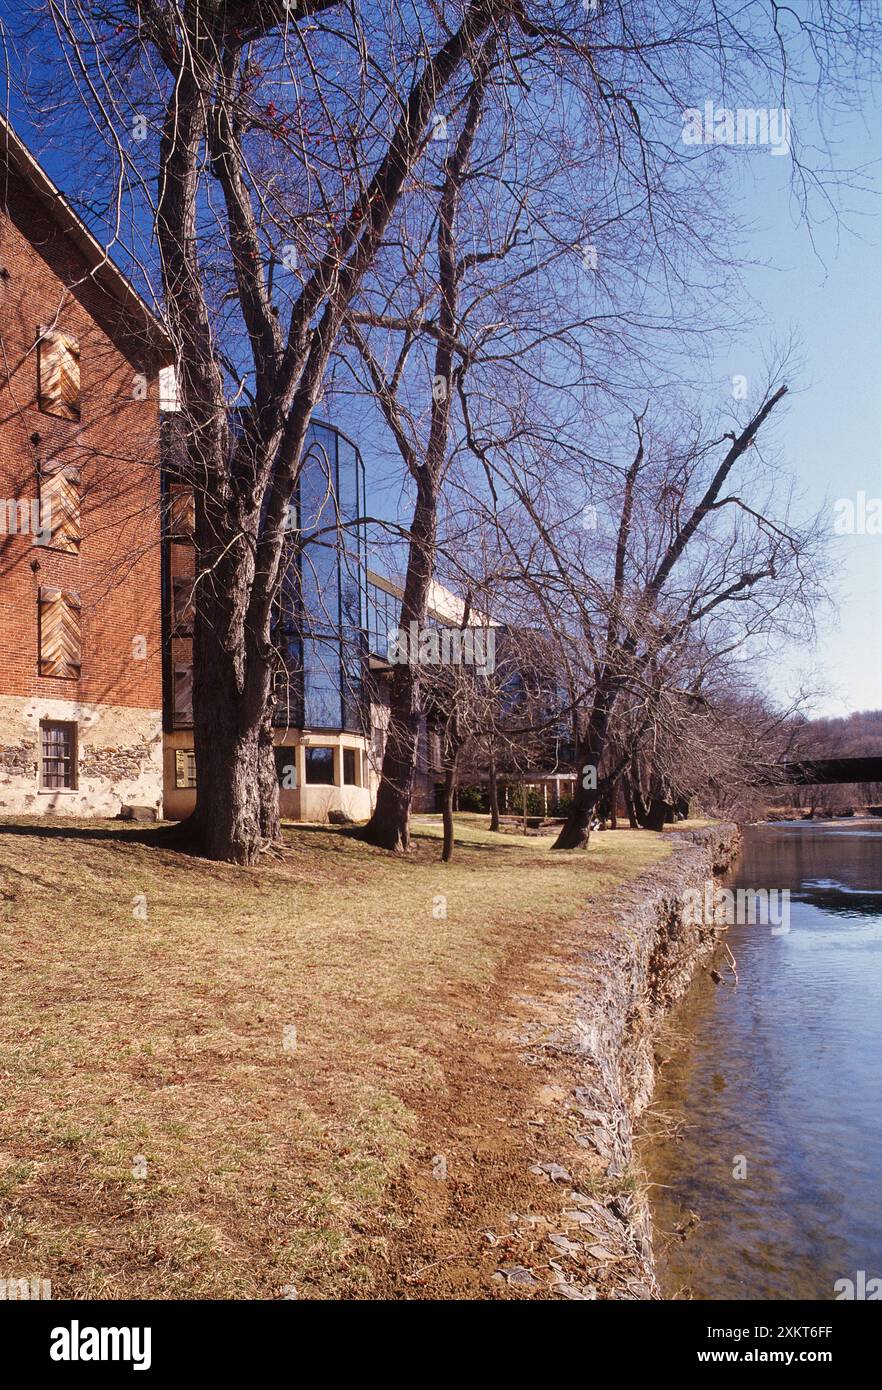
x=811 y=772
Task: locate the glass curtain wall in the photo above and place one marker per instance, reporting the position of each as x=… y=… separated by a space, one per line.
x=383 y=617
x=320 y=629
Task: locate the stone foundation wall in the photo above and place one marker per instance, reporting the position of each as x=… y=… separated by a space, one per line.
x=119 y=758
x=591 y=1041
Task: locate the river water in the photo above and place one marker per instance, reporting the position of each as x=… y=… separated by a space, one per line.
x=780 y=1080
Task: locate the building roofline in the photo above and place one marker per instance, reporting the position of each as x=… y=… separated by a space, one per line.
x=444 y=606
x=335 y=429
x=16 y=155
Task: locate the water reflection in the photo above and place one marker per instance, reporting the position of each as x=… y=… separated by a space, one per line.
x=780 y=1077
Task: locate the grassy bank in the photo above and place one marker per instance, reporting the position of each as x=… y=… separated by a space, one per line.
x=274 y=1050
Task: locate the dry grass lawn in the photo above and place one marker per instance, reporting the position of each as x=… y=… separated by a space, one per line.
x=216 y=1089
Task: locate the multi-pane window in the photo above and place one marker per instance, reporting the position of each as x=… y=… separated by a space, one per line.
x=321 y=683
x=320 y=766
x=58 y=752
x=383 y=617
x=318 y=620
x=58 y=374
x=185 y=767
x=60 y=640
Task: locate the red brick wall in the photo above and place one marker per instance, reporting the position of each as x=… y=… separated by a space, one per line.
x=116 y=446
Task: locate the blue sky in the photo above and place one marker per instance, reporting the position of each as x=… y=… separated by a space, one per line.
x=832 y=435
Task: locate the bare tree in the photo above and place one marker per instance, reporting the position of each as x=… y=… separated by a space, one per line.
x=492 y=717
x=699 y=736
x=695 y=553
x=693 y=548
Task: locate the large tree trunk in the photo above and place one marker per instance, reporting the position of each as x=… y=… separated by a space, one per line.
x=646 y=809
x=658 y=814
x=653 y=810
x=237 y=807
x=577 y=829
x=389 y=826
x=639 y=801
x=268 y=784
x=237 y=796
x=227 y=816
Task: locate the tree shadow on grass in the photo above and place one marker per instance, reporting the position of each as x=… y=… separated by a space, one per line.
x=179 y=837
x=176 y=836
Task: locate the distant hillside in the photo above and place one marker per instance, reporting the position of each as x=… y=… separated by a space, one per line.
x=857 y=735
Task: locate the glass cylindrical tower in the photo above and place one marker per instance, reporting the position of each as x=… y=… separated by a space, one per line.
x=322 y=609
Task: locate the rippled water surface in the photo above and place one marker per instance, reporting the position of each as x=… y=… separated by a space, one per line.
x=786 y=1071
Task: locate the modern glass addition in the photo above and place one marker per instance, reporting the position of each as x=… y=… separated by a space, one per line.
x=320 y=629
x=383 y=617
x=320 y=621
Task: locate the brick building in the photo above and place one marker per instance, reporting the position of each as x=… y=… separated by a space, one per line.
x=80 y=617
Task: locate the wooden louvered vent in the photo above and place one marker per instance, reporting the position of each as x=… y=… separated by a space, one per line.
x=58 y=374
x=60 y=507
x=181 y=512
x=182 y=604
x=183 y=694
x=60 y=641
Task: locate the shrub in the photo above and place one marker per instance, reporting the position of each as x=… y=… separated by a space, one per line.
x=473 y=799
